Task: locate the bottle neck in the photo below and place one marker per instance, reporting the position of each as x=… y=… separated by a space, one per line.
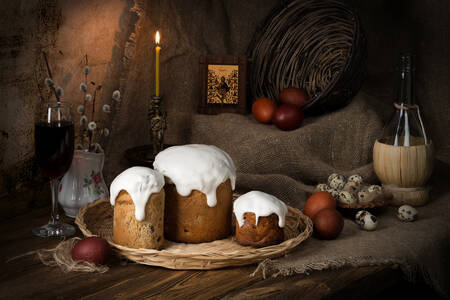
x=406 y=86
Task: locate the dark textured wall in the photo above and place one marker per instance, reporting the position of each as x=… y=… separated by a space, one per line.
x=118 y=36
x=422 y=27
x=66 y=30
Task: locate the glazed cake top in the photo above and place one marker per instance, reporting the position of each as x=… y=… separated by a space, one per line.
x=261 y=204
x=140 y=183
x=196 y=167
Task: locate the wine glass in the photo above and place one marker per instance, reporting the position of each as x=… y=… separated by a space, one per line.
x=54 y=146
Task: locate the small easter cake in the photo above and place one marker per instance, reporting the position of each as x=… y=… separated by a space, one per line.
x=260 y=219
x=201 y=180
x=137 y=195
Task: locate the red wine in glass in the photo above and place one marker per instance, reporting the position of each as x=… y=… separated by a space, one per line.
x=54 y=146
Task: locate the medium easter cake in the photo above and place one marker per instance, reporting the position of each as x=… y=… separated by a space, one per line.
x=137 y=195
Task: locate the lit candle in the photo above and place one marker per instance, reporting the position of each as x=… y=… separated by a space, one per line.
x=157 y=49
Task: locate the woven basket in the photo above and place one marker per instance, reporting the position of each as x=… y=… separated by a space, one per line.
x=316 y=45
x=96 y=218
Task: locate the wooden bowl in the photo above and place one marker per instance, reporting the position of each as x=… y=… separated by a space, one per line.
x=374 y=207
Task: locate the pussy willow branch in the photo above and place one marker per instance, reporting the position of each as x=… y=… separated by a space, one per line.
x=50 y=75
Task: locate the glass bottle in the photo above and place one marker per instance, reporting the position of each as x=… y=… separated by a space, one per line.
x=406 y=126
x=403 y=158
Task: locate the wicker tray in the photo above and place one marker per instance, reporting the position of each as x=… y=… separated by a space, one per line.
x=96 y=219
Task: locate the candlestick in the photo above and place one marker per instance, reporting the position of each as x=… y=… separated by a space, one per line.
x=158 y=124
x=157 y=50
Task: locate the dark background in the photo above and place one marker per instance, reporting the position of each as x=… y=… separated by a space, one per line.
x=118 y=37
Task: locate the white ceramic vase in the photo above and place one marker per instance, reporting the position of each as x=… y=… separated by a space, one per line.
x=83 y=183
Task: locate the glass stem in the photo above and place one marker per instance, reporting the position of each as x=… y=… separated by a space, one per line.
x=54 y=219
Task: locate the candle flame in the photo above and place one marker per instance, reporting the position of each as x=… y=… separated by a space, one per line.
x=157 y=37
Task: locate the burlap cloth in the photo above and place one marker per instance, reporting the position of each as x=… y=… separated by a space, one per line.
x=281 y=162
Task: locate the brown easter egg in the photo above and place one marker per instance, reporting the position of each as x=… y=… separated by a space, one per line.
x=318 y=201
x=263 y=110
x=328 y=224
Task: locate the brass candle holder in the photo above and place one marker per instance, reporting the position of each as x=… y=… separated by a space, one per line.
x=145 y=155
x=158 y=124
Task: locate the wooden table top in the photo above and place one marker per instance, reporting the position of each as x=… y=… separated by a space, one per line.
x=28 y=278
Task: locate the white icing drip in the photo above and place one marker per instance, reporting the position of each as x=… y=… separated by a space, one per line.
x=262 y=205
x=140 y=183
x=196 y=167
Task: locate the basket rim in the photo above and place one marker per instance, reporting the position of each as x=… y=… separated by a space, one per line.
x=212 y=259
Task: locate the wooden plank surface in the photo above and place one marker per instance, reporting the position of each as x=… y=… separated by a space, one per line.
x=27 y=278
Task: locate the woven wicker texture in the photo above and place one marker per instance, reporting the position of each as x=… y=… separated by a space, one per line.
x=317 y=45
x=96 y=218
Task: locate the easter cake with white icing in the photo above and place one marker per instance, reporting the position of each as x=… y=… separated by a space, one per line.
x=200 y=183
x=260 y=219
x=137 y=195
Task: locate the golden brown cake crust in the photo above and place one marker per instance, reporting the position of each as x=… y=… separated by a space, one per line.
x=190 y=219
x=148 y=233
x=266 y=233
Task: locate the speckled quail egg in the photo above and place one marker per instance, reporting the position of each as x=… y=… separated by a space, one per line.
x=407 y=213
x=333 y=192
x=352 y=187
x=322 y=187
x=366 y=220
x=331 y=177
x=374 y=188
x=337 y=182
x=347 y=198
x=356 y=178
x=363 y=197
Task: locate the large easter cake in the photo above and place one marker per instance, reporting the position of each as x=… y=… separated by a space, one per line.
x=200 y=183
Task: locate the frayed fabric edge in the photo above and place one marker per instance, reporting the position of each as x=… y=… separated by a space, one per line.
x=272 y=268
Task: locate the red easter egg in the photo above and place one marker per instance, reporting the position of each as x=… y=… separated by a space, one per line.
x=92 y=249
x=288 y=117
x=293 y=96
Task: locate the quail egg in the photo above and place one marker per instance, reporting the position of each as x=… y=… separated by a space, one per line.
x=374 y=188
x=333 y=192
x=347 y=198
x=322 y=187
x=331 y=177
x=337 y=182
x=363 y=197
x=356 y=178
x=352 y=187
x=366 y=220
x=407 y=213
